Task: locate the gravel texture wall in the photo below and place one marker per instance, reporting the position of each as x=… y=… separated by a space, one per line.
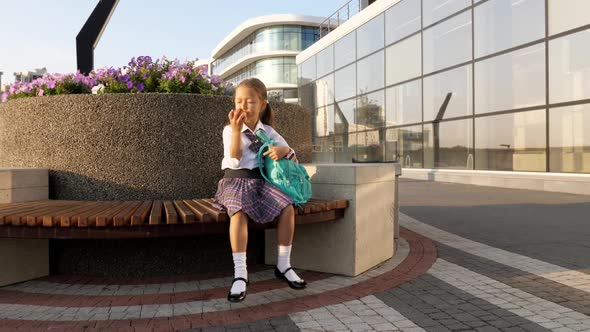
x=130 y=146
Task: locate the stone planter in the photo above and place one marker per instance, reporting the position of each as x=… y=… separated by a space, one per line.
x=129 y=146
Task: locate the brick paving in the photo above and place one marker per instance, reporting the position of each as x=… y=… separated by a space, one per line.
x=445 y=276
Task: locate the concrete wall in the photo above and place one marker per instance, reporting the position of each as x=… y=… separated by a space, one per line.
x=23 y=259
x=129 y=146
x=362 y=239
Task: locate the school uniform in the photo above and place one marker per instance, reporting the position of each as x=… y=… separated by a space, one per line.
x=242 y=188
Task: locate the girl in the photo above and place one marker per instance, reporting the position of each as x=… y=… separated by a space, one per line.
x=244 y=194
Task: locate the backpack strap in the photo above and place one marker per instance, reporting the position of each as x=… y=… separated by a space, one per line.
x=259 y=156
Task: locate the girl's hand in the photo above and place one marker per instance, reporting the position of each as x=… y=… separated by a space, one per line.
x=277 y=153
x=236 y=119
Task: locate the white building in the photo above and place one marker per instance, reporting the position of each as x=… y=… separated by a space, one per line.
x=265 y=47
x=486 y=92
x=31 y=75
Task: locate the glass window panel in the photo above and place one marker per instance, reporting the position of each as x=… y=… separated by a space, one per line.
x=401 y=20
x=308 y=71
x=322 y=151
x=344 y=121
x=370 y=111
x=511 y=142
x=436 y=10
x=457 y=82
x=345 y=147
x=512 y=80
x=345 y=50
x=306 y=96
x=569 y=67
x=569 y=139
x=292 y=28
x=371 y=146
x=325 y=90
x=370 y=74
x=292 y=41
x=503 y=24
x=290 y=73
x=403 y=104
x=324 y=121
x=325 y=61
x=447 y=43
x=370 y=36
x=404 y=144
x=345 y=82
x=449 y=144
x=404 y=60
x=566 y=15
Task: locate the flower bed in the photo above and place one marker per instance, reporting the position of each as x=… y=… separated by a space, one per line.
x=140 y=75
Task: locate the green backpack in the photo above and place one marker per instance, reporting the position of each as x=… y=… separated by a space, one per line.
x=290 y=177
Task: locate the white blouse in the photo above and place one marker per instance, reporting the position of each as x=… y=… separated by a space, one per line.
x=248 y=157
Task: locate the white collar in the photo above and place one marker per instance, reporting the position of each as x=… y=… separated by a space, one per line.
x=259 y=125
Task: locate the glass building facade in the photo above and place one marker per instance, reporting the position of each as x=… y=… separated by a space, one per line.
x=275 y=70
x=457 y=84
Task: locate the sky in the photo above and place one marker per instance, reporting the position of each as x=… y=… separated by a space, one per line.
x=42 y=33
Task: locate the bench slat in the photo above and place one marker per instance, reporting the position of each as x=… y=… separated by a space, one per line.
x=5 y=214
x=105 y=218
x=202 y=214
x=218 y=215
x=123 y=218
x=186 y=215
x=341 y=204
x=171 y=216
x=88 y=218
x=69 y=219
x=20 y=218
x=156 y=213
x=141 y=214
x=328 y=204
x=54 y=215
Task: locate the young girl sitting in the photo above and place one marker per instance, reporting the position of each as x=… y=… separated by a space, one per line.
x=244 y=194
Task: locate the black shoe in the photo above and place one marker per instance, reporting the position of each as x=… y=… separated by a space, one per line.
x=293 y=284
x=237 y=297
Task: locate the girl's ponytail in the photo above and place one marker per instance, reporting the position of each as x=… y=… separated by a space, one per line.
x=267 y=117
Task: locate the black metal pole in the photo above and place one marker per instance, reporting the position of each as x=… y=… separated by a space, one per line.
x=90 y=33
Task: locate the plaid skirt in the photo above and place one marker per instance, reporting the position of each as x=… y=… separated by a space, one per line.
x=261 y=201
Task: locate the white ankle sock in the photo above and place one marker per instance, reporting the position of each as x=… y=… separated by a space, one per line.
x=284 y=262
x=240 y=271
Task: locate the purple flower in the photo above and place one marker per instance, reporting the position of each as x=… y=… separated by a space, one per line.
x=182 y=79
x=215 y=79
x=140 y=87
x=4 y=97
x=51 y=84
x=129 y=85
x=214 y=88
x=40 y=92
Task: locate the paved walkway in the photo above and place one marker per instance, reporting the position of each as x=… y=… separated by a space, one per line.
x=469 y=258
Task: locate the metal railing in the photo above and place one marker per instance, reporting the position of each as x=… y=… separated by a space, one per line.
x=341 y=15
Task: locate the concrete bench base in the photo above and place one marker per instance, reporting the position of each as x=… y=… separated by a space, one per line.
x=365 y=236
x=23 y=259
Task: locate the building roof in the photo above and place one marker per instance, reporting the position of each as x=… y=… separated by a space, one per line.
x=247 y=27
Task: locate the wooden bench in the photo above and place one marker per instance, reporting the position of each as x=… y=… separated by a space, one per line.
x=60 y=219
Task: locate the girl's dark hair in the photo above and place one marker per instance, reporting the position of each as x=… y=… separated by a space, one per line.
x=267 y=116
